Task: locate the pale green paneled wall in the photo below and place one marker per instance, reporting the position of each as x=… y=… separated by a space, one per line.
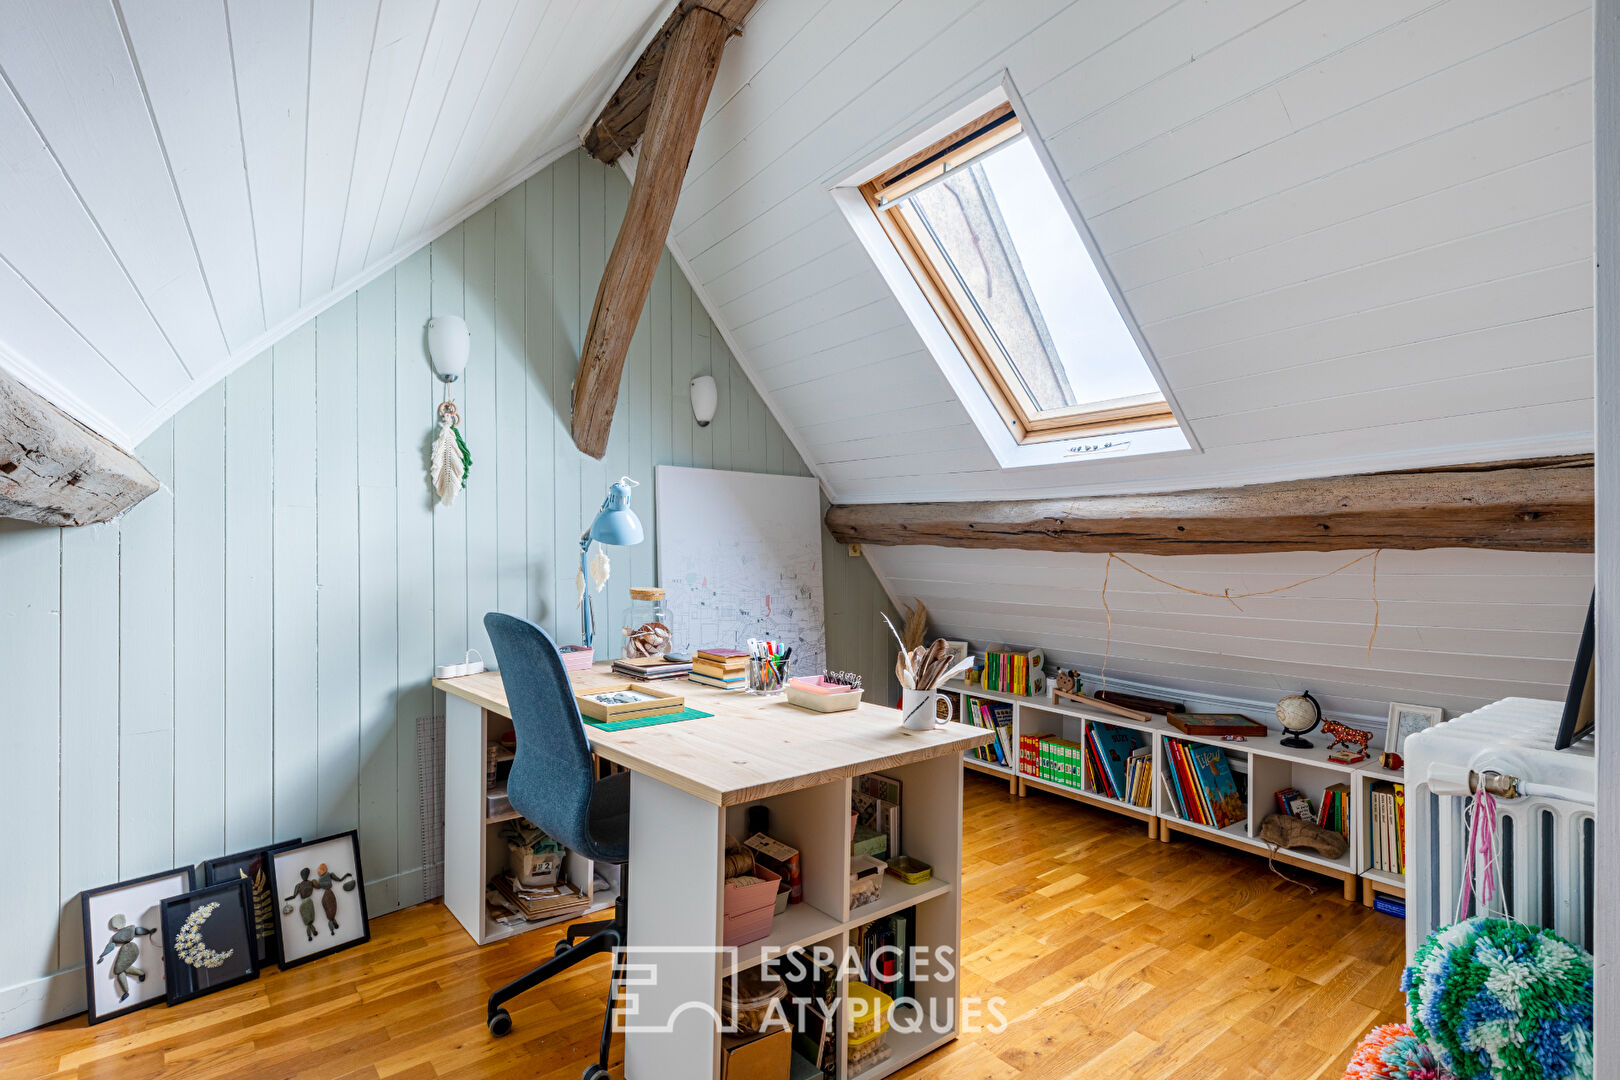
x=244 y=656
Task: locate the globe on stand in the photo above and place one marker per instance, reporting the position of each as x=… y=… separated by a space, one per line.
x=1298 y=714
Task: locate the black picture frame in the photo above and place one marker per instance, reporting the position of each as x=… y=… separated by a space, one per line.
x=235 y=868
x=289 y=864
x=231 y=929
x=148 y=892
x=1580 y=704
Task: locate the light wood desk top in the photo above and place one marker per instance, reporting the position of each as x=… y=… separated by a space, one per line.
x=751 y=747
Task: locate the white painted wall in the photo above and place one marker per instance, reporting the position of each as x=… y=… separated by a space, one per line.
x=1356 y=236
x=243 y=656
x=1456 y=628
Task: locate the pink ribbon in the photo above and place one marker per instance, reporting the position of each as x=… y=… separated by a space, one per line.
x=1481 y=848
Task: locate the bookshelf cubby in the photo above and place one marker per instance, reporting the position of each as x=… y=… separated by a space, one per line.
x=816 y=820
x=1374 y=882
x=1265 y=765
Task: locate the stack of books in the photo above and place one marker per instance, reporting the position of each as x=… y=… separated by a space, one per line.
x=1009 y=672
x=1387 y=826
x=997 y=717
x=1051 y=757
x=542 y=901
x=1202 y=784
x=1111 y=750
x=1335 y=810
x=650 y=668
x=724 y=669
x=1139 y=777
x=1294 y=802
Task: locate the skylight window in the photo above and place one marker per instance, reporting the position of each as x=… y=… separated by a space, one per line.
x=981 y=227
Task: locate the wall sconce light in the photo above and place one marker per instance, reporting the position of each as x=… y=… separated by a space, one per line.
x=705 y=396
x=448 y=344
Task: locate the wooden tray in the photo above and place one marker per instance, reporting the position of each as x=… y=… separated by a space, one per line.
x=643 y=699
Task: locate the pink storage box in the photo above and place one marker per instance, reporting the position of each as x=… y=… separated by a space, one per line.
x=577 y=657
x=749 y=909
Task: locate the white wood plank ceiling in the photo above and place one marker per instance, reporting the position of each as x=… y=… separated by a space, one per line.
x=1356 y=236
x=184 y=181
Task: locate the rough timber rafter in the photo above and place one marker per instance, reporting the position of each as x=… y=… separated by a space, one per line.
x=56 y=471
x=1541 y=505
x=680 y=82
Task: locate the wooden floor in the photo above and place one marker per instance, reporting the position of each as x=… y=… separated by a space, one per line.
x=1117 y=957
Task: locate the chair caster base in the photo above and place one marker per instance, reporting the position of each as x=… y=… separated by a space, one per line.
x=594 y=1071
x=561 y=947
x=500 y=1023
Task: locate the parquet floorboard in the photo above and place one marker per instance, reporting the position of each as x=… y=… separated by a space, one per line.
x=1116 y=956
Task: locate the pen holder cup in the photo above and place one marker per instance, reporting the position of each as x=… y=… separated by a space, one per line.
x=767 y=676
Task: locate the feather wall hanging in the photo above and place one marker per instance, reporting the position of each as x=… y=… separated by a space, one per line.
x=451 y=463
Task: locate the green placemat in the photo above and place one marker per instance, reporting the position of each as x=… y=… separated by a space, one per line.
x=646 y=721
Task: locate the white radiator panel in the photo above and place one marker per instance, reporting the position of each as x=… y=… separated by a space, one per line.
x=1545 y=845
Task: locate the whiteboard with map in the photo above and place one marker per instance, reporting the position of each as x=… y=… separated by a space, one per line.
x=739 y=557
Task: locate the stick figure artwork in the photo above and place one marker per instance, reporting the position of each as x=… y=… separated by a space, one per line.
x=314 y=879
x=128 y=952
x=304 y=892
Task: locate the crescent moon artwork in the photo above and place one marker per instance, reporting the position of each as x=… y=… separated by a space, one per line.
x=189 y=945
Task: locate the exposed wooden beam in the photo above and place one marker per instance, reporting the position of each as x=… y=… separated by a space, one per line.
x=685 y=75
x=56 y=471
x=624 y=117
x=1543 y=505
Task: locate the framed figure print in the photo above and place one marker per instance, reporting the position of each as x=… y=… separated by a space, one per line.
x=1407 y=720
x=209 y=940
x=123 y=942
x=254 y=868
x=320 y=898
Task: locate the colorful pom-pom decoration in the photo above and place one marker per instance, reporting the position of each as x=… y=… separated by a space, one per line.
x=1498 y=1000
x=1392 y=1052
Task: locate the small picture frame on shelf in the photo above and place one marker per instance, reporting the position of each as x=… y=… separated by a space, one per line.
x=321 y=901
x=209 y=940
x=123 y=942
x=254 y=868
x=958 y=651
x=1407 y=720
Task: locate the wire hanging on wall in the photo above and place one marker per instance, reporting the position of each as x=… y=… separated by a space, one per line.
x=1230 y=597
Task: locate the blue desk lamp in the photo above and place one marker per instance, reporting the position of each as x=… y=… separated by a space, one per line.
x=615 y=524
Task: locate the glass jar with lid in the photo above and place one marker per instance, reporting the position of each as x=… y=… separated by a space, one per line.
x=647 y=626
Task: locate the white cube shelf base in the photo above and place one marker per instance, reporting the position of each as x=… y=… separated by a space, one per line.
x=1269 y=765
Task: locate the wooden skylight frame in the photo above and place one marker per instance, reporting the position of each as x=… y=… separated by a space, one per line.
x=984 y=355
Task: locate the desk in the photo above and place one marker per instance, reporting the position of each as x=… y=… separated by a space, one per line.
x=691 y=784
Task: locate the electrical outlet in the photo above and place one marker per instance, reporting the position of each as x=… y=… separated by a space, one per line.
x=854 y=551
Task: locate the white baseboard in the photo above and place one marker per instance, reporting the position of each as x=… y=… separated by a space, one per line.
x=40 y=1001
x=50 y=998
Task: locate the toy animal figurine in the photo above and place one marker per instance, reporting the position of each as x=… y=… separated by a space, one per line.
x=123 y=939
x=1066 y=681
x=1346 y=736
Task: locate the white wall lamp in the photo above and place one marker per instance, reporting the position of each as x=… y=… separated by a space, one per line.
x=449 y=341
x=705 y=397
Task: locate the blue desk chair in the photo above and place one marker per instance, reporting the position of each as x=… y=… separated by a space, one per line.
x=553 y=783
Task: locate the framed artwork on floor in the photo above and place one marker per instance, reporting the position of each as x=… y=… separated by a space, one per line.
x=208 y=940
x=321 y=899
x=254 y=868
x=123 y=942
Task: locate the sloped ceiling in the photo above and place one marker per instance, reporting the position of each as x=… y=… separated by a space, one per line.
x=1356 y=236
x=183 y=181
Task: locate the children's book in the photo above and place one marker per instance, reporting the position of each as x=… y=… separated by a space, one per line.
x=1114 y=748
x=1215 y=777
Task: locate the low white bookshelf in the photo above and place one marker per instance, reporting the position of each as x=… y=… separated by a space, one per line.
x=1265 y=765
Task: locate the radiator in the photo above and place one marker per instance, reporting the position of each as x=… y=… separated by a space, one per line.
x=1545 y=835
